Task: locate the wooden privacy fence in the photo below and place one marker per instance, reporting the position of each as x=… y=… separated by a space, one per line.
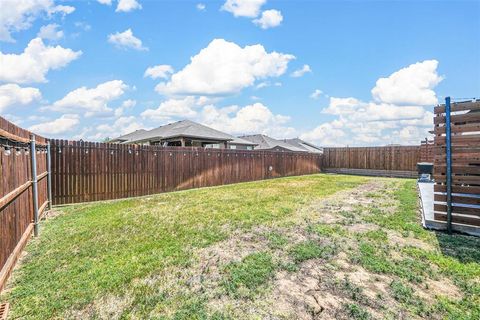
x=463 y=189
x=426 y=151
x=398 y=161
x=23 y=191
x=89 y=171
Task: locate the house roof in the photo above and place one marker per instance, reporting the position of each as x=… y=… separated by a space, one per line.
x=306 y=146
x=129 y=136
x=238 y=140
x=184 y=128
x=266 y=142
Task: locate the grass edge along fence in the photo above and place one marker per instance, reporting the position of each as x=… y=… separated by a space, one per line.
x=92 y=171
x=457 y=163
x=395 y=161
x=24 y=192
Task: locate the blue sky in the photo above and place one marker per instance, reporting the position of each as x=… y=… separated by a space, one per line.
x=311 y=69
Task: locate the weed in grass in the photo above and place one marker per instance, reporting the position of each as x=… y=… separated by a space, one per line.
x=376 y=235
x=377 y=259
x=355 y=311
x=276 y=240
x=289 y=266
x=405 y=218
x=352 y=291
x=245 y=277
x=373 y=195
x=311 y=250
x=405 y=295
x=372 y=259
x=327 y=230
x=401 y=292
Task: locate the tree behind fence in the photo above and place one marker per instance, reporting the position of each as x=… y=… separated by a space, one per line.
x=88 y=171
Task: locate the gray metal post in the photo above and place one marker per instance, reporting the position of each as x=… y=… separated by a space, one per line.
x=49 y=177
x=33 y=158
x=449 y=164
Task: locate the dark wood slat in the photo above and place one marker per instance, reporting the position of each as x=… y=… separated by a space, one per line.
x=468 y=127
x=458 y=189
x=457 y=209
x=459 y=106
x=472 y=221
x=459 y=179
x=457 y=199
x=459 y=118
x=442 y=169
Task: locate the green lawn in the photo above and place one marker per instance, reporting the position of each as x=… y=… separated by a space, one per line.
x=219 y=253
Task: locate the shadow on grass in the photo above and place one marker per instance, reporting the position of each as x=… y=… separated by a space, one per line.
x=464 y=248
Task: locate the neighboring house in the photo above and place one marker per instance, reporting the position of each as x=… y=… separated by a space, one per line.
x=264 y=142
x=185 y=133
x=306 y=146
x=240 y=144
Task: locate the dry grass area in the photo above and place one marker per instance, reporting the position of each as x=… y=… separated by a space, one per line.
x=357 y=252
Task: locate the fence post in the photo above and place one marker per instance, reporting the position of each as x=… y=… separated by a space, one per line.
x=33 y=159
x=49 y=177
x=449 y=164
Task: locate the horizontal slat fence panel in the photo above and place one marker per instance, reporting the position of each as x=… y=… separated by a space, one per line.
x=16 y=210
x=91 y=171
x=465 y=149
x=389 y=158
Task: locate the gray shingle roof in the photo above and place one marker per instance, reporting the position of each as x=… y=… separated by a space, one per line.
x=129 y=136
x=299 y=143
x=238 y=140
x=184 y=128
x=266 y=142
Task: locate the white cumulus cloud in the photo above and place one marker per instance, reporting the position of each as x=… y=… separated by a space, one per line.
x=300 y=72
x=127 y=104
x=128 y=5
x=50 y=32
x=120 y=126
x=65 y=123
x=412 y=85
x=173 y=108
x=269 y=19
x=34 y=63
x=201 y=6
x=16 y=15
x=316 y=94
x=397 y=113
x=243 y=8
x=91 y=101
x=125 y=40
x=254 y=118
x=13 y=95
x=162 y=71
x=224 y=67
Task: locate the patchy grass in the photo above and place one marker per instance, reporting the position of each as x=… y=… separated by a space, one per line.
x=320 y=246
x=245 y=277
x=355 y=311
x=100 y=248
x=311 y=250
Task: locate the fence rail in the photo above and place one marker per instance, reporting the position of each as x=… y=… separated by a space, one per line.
x=17 y=210
x=464 y=192
x=388 y=160
x=89 y=171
